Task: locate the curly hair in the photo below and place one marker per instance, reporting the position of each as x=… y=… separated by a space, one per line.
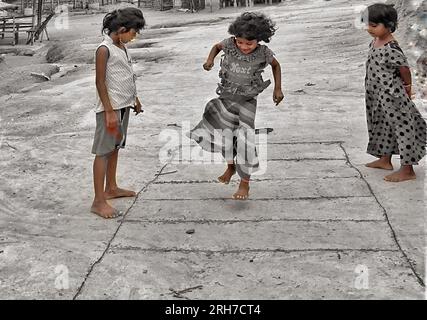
x=253 y=26
x=129 y=18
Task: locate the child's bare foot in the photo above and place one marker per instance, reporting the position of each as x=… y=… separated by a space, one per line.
x=243 y=191
x=118 y=193
x=403 y=174
x=382 y=163
x=104 y=210
x=226 y=177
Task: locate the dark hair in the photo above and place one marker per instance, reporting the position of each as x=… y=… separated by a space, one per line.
x=381 y=13
x=253 y=26
x=129 y=18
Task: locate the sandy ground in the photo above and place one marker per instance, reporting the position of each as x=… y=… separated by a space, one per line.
x=318 y=225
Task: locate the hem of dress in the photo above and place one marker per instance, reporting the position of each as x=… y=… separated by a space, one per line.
x=376 y=155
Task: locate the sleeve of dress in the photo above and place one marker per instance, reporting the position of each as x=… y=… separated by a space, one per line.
x=269 y=55
x=226 y=43
x=395 y=57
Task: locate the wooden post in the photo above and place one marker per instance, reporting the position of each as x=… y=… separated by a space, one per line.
x=39 y=11
x=34 y=13
x=15 y=33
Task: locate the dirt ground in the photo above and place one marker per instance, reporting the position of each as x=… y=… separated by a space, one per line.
x=46 y=131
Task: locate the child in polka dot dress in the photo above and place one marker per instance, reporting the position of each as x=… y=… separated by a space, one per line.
x=395 y=126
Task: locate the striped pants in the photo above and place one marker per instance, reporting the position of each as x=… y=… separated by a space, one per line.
x=228 y=126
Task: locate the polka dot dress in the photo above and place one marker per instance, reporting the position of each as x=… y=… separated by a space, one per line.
x=395 y=126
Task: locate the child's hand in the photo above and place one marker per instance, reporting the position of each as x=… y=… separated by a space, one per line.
x=138 y=107
x=277 y=96
x=208 y=65
x=112 y=124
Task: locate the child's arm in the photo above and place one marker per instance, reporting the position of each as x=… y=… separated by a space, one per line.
x=101 y=67
x=405 y=74
x=210 y=60
x=277 y=74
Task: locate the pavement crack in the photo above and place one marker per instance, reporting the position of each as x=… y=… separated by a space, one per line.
x=243 y=251
x=231 y=221
x=307 y=159
x=10 y=146
x=260 y=199
x=169 y=172
x=254 y=180
x=339 y=142
x=393 y=233
x=115 y=233
x=179 y=293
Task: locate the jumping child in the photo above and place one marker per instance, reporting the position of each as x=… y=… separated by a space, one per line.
x=233 y=112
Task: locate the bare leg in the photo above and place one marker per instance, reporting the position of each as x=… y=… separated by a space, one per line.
x=382 y=163
x=100 y=205
x=229 y=172
x=111 y=189
x=243 y=191
x=406 y=172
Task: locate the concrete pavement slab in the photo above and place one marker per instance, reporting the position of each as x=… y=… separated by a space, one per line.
x=249 y=235
x=47 y=178
x=301 y=188
x=271 y=170
x=263 y=275
x=45 y=267
x=355 y=208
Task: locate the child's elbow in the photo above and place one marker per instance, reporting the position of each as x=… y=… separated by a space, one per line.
x=404 y=69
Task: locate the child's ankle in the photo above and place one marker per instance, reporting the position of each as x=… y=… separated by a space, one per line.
x=407 y=168
x=99 y=200
x=109 y=187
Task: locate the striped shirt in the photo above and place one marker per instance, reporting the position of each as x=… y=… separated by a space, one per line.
x=119 y=77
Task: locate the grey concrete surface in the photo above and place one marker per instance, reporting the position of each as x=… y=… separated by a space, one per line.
x=318 y=224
